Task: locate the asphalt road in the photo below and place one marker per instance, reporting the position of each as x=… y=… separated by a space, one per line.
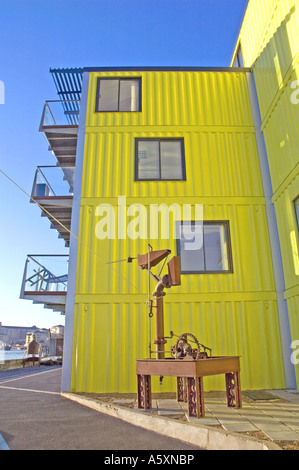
x=34 y=416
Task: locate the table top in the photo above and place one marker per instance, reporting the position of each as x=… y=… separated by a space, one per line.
x=188 y=367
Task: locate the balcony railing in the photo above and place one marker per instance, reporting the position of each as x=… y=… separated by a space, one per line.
x=44 y=274
x=60 y=113
x=53 y=181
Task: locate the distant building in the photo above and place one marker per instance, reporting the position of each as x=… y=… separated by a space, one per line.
x=57 y=330
x=16 y=335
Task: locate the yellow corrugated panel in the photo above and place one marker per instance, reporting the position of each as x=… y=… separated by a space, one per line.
x=223 y=310
x=118 y=335
x=179 y=99
x=270 y=42
x=282 y=32
x=270 y=23
x=293 y=306
x=288 y=232
x=218 y=164
x=281 y=135
x=250 y=251
x=254 y=28
x=274 y=65
x=233 y=313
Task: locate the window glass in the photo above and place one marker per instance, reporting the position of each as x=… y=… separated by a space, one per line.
x=108 y=95
x=204 y=247
x=160 y=159
x=215 y=248
x=171 y=160
x=148 y=160
x=118 y=94
x=191 y=247
x=129 y=95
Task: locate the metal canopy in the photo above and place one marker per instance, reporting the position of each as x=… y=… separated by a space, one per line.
x=68 y=83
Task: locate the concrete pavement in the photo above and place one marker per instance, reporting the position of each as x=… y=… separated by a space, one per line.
x=34 y=416
x=267 y=420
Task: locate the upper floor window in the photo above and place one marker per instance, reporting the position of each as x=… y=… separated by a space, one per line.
x=118 y=94
x=160 y=160
x=204 y=247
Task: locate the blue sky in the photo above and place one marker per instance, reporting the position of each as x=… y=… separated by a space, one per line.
x=38 y=34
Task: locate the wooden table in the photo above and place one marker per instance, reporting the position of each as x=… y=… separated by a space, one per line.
x=189 y=373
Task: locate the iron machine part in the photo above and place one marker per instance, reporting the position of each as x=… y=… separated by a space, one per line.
x=173 y=278
x=183 y=349
x=155 y=307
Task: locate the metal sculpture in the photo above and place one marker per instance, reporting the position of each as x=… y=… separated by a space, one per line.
x=183 y=348
x=173 y=278
x=190 y=361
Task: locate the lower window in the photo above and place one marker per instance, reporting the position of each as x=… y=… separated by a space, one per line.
x=204 y=247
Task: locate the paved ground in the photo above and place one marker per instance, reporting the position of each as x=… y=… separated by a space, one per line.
x=34 y=416
x=267 y=415
x=278 y=419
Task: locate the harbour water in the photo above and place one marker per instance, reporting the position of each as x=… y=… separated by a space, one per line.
x=12 y=354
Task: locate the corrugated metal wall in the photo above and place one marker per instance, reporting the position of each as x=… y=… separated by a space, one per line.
x=276 y=72
x=250 y=250
x=257 y=17
x=173 y=98
x=110 y=336
x=288 y=230
x=219 y=163
x=275 y=66
x=264 y=20
x=281 y=133
x=232 y=313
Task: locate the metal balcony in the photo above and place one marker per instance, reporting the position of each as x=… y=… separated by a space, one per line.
x=53 y=191
x=59 y=123
x=45 y=281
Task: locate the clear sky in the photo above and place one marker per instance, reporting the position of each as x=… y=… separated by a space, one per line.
x=38 y=34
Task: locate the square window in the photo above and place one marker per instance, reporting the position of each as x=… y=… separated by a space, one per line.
x=118 y=95
x=160 y=159
x=204 y=247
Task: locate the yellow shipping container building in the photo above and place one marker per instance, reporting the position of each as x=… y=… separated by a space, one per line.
x=271 y=48
x=140 y=144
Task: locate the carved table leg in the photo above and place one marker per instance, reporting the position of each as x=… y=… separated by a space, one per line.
x=195 y=397
x=144 y=395
x=180 y=389
x=233 y=390
x=200 y=399
x=185 y=389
